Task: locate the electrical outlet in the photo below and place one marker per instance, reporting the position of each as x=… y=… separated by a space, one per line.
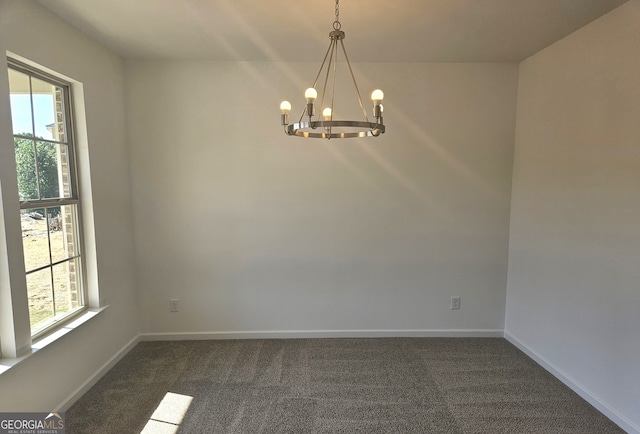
x=174 y=305
x=455 y=303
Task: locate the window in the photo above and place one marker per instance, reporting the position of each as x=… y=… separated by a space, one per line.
x=48 y=195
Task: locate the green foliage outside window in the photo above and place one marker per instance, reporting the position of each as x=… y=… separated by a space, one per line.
x=28 y=152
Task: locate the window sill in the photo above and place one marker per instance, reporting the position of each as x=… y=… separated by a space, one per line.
x=49 y=339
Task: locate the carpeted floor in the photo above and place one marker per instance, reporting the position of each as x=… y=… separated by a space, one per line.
x=390 y=385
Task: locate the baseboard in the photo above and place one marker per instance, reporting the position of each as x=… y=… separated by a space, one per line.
x=585 y=393
x=306 y=334
x=91 y=381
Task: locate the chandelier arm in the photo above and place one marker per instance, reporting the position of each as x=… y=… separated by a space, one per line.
x=353 y=77
x=333 y=48
x=333 y=85
x=323 y=62
x=317 y=76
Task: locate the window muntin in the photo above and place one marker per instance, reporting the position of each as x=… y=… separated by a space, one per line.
x=50 y=208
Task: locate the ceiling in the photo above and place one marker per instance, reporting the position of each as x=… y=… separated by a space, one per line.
x=288 y=30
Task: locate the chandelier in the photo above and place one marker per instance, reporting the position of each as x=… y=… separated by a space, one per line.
x=328 y=127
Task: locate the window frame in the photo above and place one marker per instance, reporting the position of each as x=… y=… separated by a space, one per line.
x=74 y=198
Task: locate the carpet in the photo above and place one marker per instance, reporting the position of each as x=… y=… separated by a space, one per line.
x=385 y=385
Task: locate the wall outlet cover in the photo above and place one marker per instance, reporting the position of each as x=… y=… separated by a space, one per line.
x=174 y=305
x=455 y=303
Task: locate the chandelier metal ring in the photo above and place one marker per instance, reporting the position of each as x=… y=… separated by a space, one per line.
x=367 y=129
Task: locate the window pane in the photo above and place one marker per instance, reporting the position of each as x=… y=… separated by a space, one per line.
x=19 y=88
x=66 y=284
x=40 y=298
x=62 y=232
x=35 y=243
x=26 y=168
x=48 y=110
x=48 y=169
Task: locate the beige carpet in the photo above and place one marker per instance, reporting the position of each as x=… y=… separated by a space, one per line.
x=391 y=385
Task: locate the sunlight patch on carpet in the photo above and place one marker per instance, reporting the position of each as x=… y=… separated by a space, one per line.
x=168 y=415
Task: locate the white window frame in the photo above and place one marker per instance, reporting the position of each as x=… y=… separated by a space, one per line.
x=16 y=340
x=72 y=200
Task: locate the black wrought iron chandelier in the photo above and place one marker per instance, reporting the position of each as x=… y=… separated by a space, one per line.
x=330 y=128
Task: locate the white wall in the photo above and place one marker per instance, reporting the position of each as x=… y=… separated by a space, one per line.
x=573 y=296
x=256 y=231
x=45 y=379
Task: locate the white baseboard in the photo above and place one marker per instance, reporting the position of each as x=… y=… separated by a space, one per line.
x=91 y=381
x=304 y=334
x=585 y=393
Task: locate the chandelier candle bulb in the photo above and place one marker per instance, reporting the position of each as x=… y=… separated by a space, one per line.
x=285 y=107
x=377 y=96
x=310 y=94
x=327 y=114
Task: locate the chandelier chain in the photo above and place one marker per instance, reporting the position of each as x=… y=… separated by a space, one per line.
x=336 y=23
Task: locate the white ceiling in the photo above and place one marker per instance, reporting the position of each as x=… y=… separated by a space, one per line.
x=287 y=30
